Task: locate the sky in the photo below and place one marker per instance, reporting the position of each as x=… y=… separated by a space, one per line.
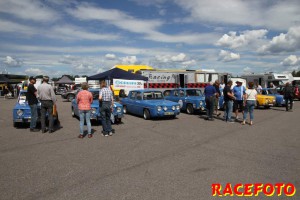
x=56 y=37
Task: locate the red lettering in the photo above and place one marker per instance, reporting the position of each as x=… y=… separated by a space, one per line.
x=292 y=191
x=279 y=187
x=257 y=188
x=248 y=188
x=216 y=188
x=269 y=192
x=228 y=190
x=236 y=189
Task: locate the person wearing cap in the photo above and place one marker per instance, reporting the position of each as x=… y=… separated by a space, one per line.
x=47 y=98
x=239 y=91
x=31 y=98
x=228 y=101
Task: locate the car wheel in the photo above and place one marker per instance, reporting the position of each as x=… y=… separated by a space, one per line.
x=16 y=124
x=257 y=104
x=118 y=120
x=267 y=107
x=146 y=114
x=125 y=110
x=73 y=112
x=70 y=97
x=189 y=109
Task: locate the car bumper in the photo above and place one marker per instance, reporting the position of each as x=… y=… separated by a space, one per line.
x=166 y=114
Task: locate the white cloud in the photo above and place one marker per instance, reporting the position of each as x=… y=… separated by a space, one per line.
x=279 y=15
x=35 y=71
x=29 y=10
x=292 y=60
x=289 y=42
x=232 y=40
x=12 y=62
x=178 y=58
x=67 y=59
x=227 y=56
x=84 y=68
x=129 y=60
x=110 y=56
x=8 y=26
x=189 y=63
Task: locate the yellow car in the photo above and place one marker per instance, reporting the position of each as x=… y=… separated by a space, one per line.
x=265 y=101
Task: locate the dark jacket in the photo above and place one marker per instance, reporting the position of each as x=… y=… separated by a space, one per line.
x=288 y=92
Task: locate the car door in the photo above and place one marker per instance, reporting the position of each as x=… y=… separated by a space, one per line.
x=130 y=102
x=139 y=104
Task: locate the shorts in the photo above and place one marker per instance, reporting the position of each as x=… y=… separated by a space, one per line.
x=238 y=104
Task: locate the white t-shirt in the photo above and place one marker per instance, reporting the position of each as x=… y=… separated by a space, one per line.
x=251 y=93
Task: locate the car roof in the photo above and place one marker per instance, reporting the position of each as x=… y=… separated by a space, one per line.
x=145 y=90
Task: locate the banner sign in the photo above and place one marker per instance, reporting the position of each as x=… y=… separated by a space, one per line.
x=128 y=84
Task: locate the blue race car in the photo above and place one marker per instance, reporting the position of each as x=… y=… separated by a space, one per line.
x=189 y=99
x=22 y=113
x=274 y=92
x=95 y=111
x=149 y=104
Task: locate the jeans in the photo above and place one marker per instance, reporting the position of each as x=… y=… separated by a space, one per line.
x=249 y=108
x=209 y=106
x=287 y=102
x=228 y=110
x=47 y=106
x=105 y=116
x=85 y=115
x=34 y=115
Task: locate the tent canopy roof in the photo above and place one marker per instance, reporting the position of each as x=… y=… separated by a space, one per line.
x=64 y=80
x=117 y=73
x=3 y=79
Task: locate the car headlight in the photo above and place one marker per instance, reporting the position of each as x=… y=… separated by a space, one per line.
x=201 y=103
x=158 y=108
x=165 y=108
x=173 y=108
x=94 y=110
x=119 y=109
x=20 y=112
x=177 y=107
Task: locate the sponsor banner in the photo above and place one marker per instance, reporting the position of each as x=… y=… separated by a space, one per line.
x=128 y=84
x=157 y=77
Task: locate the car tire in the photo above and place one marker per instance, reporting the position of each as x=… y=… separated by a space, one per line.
x=16 y=124
x=125 y=111
x=257 y=104
x=146 y=114
x=189 y=109
x=70 y=97
x=73 y=112
x=118 y=120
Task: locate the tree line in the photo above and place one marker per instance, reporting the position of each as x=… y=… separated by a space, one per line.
x=296 y=73
x=69 y=76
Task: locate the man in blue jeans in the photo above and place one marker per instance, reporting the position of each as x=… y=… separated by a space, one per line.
x=107 y=103
x=210 y=95
x=228 y=99
x=32 y=102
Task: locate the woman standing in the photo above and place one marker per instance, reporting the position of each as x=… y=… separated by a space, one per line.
x=84 y=100
x=249 y=102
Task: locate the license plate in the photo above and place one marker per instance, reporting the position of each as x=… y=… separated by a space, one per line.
x=169 y=113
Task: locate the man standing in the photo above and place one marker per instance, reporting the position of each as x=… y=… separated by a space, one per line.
x=272 y=86
x=47 y=97
x=239 y=91
x=32 y=102
x=228 y=99
x=210 y=93
x=107 y=104
x=288 y=94
x=218 y=95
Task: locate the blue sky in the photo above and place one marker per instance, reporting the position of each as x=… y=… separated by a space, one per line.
x=55 y=37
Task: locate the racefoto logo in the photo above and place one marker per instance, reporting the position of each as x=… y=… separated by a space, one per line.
x=253 y=189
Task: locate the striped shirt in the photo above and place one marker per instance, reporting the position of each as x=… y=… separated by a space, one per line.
x=84 y=99
x=106 y=94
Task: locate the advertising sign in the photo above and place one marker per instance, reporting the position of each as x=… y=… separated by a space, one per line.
x=128 y=84
x=160 y=77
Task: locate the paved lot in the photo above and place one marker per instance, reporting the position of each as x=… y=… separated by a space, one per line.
x=155 y=159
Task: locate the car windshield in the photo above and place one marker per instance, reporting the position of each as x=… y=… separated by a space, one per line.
x=273 y=91
x=153 y=95
x=194 y=92
x=22 y=97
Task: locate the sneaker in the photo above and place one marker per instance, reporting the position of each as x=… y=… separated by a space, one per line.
x=106 y=135
x=110 y=134
x=230 y=121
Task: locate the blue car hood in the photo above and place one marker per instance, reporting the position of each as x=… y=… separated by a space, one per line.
x=161 y=102
x=96 y=104
x=197 y=98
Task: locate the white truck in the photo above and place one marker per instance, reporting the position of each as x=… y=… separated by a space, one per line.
x=265 y=79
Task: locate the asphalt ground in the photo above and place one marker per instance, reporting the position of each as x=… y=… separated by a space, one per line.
x=166 y=159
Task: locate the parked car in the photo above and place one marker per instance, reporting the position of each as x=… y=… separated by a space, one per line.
x=189 y=99
x=69 y=95
x=59 y=90
x=273 y=92
x=95 y=112
x=149 y=104
x=22 y=113
x=265 y=101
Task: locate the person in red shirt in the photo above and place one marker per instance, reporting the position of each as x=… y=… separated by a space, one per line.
x=84 y=100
